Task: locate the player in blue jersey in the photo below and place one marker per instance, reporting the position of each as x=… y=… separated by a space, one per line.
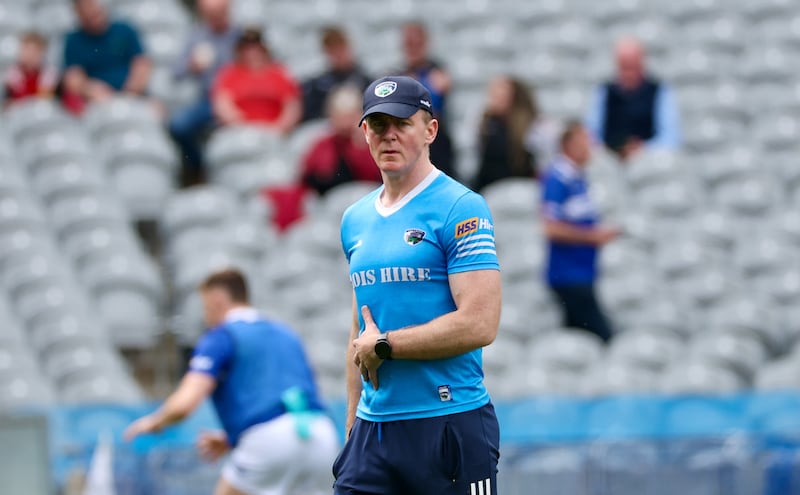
x=574 y=235
x=261 y=384
x=426 y=299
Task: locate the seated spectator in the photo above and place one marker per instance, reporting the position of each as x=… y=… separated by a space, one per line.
x=29 y=76
x=255 y=88
x=635 y=109
x=209 y=47
x=571 y=226
x=342 y=69
x=102 y=57
x=431 y=74
x=341 y=155
x=508 y=118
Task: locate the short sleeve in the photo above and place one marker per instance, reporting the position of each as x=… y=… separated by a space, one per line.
x=213 y=353
x=468 y=236
x=135 y=47
x=554 y=196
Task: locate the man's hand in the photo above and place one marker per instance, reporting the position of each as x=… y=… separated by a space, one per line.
x=97 y=90
x=145 y=424
x=603 y=235
x=364 y=355
x=630 y=148
x=213 y=445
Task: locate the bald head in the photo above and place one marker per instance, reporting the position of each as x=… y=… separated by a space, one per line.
x=629 y=56
x=214 y=13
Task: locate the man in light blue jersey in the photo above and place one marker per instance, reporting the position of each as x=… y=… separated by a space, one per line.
x=263 y=389
x=426 y=300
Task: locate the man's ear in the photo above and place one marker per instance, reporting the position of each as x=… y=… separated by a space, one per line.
x=364 y=128
x=431 y=131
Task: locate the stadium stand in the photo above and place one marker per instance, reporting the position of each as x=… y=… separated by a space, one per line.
x=704 y=286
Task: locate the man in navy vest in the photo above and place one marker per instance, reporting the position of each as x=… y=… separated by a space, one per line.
x=635 y=110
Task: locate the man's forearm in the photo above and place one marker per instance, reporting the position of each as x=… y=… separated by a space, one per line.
x=139 y=76
x=565 y=233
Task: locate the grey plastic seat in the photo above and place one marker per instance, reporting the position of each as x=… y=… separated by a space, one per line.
x=126 y=291
x=767 y=62
x=752 y=196
x=86 y=211
x=72 y=177
x=705 y=132
x=571 y=349
x=750 y=314
x=685 y=257
x=20 y=209
x=78 y=357
x=622 y=256
x=652 y=167
x=740 y=352
x=700 y=378
x=765 y=253
x=247 y=178
x=34 y=273
x=155 y=15
x=16 y=359
x=691 y=64
x=611 y=377
x=15 y=17
x=646 y=348
x=141 y=168
x=31 y=119
x=36 y=307
x=95 y=388
x=733 y=163
x=200 y=206
x=778 y=131
x=25 y=391
x=100 y=241
x=708 y=286
x=778 y=375
x=55 y=147
x=720 y=31
x=512 y=198
x=232 y=144
x=119 y=114
x=316 y=235
x=12 y=181
x=303 y=137
x=54 y=18
x=627 y=292
x=65 y=330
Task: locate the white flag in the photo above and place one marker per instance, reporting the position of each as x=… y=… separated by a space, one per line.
x=100 y=477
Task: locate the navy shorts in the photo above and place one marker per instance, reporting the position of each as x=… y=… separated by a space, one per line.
x=455 y=454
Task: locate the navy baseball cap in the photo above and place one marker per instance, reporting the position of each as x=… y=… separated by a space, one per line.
x=398 y=96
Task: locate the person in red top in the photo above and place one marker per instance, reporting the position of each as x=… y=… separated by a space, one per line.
x=256 y=89
x=341 y=155
x=29 y=76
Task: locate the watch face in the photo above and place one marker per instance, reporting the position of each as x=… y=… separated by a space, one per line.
x=383 y=349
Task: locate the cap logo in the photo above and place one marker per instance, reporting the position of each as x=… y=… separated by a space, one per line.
x=386 y=88
x=426 y=103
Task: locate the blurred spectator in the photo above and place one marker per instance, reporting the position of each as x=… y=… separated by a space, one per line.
x=255 y=88
x=508 y=118
x=635 y=109
x=210 y=46
x=342 y=69
x=437 y=81
x=341 y=155
x=571 y=227
x=102 y=57
x=29 y=76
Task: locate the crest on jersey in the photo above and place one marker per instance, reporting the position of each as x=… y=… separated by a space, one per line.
x=386 y=88
x=413 y=236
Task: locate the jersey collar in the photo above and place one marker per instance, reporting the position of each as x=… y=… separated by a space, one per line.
x=386 y=211
x=245 y=314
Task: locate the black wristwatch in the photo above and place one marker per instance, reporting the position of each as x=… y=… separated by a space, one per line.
x=383 y=349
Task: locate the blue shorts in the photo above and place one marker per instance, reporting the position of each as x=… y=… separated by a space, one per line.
x=455 y=454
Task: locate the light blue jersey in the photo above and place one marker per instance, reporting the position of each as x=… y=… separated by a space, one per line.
x=400 y=259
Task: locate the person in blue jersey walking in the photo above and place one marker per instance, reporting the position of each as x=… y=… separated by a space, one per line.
x=426 y=299
x=574 y=234
x=261 y=384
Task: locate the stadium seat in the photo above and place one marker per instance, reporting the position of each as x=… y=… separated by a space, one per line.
x=25 y=391
x=249 y=177
x=685 y=256
x=646 y=348
x=99 y=242
x=70 y=177
x=612 y=377
x=571 y=349
x=65 y=330
x=778 y=375
x=119 y=114
x=653 y=167
x=752 y=196
x=94 y=387
x=79 y=212
x=234 y=144
x=623 y=467
x=622 y=256
x=30 y=119
x=693 y=377
x=54 y=19
x=733 y=163
x=191 y=214
x=742 y=353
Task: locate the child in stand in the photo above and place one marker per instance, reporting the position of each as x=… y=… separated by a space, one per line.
x=30 y=76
